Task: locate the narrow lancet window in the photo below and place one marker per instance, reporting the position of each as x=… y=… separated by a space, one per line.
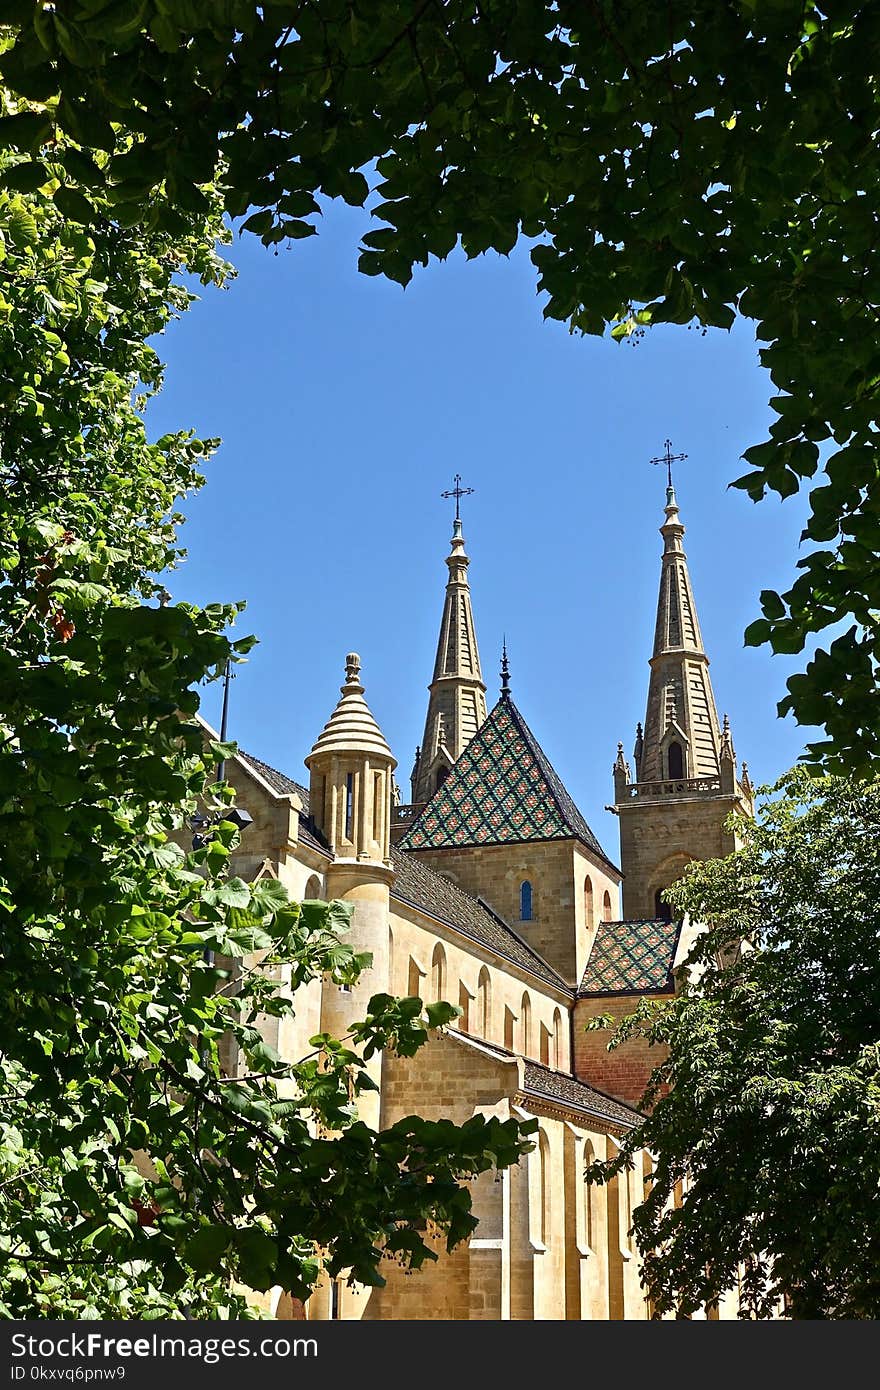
x=525 y=901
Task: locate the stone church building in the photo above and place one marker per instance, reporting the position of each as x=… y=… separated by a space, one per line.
x=490 y=890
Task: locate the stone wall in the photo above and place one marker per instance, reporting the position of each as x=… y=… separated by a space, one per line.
x=556 y=870
x=658 y=838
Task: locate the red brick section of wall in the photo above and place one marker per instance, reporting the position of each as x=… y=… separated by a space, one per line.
x=623 y=1073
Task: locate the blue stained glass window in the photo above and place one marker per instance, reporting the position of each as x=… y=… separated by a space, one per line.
x=525 y=901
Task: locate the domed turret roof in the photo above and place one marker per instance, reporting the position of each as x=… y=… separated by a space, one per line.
x=351 y=727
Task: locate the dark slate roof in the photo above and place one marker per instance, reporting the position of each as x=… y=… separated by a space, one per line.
x=501 y=790
x=309 y=833
x=422 y=888
x=632 y=958
x=565 y=1089
x=561 y=1088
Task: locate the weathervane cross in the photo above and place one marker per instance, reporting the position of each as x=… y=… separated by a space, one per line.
x=457 y=492
x=669 y=458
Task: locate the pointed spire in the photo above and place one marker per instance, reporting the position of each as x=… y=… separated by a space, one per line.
x=727 y=752
x=681 y=706
x=637 y=749
x=505 y=672
x=457 y=704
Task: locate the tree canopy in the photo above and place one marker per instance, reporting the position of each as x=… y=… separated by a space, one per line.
x=765 y=1126
x=137 y=1178
x=675 y=164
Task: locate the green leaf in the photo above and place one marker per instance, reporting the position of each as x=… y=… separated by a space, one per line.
x=74 y=205
x=26 y=177
x=205 y=1250
x=757 y=633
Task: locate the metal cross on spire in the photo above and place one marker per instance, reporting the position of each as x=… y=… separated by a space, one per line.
x=669 y=458
x=457 y=492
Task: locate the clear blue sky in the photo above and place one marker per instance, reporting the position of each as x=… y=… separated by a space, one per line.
x=345 y=406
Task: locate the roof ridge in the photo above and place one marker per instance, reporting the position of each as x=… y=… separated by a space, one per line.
x=292 y=788
x=502 y=789
x=542 y=759
x=513 y=932
x=556 y=785
x=419 y=867
x=587 y=1085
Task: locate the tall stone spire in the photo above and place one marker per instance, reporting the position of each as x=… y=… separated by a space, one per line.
x=457 y=703
x=673 y=806
x=682 y=737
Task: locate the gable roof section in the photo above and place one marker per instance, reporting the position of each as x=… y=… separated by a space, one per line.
x=556 y=1087
x=561 y=1088
x=502 y=790
x=285 y=786
x=420 y=887
x=632 y=958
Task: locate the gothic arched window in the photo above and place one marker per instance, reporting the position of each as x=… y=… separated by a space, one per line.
x=588 y=902
x=675 y=760
x=556 y=1050
x=484 y=1003
x=544 y=1191
x=525 y=1026
x=525 y=901
x=438 y=973
x=606 y=907
x=442 y=774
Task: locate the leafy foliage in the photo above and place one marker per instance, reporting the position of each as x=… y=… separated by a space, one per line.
x=766 y=1108
x=678 y=164
x=136 y=1177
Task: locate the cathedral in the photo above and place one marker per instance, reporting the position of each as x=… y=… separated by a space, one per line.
x=489 y=889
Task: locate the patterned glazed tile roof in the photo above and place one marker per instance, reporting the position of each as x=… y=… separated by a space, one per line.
x=422 y=888
x=501 y=790
x=631 y=958
x=309 y=833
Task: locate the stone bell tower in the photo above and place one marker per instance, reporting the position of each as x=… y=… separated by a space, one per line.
x=350 y=771
x=685 y=784
x=457 y=702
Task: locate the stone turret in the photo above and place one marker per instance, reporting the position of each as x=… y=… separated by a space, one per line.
x=350 y=792
x=457 y=701
x=350 y=771
x=685 y=781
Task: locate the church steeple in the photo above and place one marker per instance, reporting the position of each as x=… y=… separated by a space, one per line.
x=674 y=804
x=682 y=737
x=457 y=703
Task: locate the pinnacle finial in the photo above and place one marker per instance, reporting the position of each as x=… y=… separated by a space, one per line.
x=727 y=741
x=639 y=745
x=352 y=669
x=505 y=671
